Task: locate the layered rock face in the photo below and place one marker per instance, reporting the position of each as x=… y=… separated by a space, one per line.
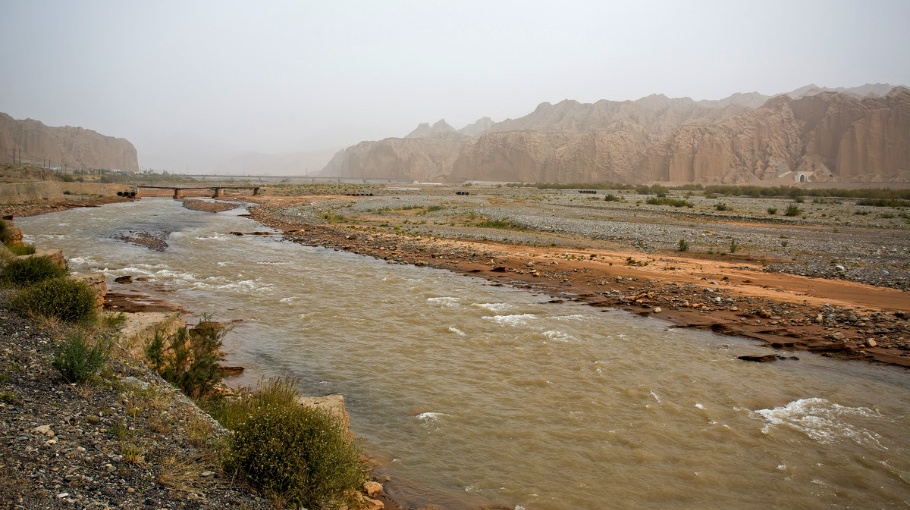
x=33 y=142
x=828 y=136
x=423 y=159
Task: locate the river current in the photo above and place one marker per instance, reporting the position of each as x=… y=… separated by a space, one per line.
x=472 y=394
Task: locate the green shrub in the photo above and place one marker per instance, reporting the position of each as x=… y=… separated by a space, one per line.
x=26 y=271
x=62 y=298
x=683 y=245
x=793 y=210
x=188 y=359
x=77 y=360
x=500 y=224
x=772 y=211
x=21 y=249
x=663 y=200
x=299 y=455
x=6 y=235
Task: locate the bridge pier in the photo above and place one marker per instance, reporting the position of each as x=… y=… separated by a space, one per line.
x=178 y=193
x=219 y=193
x=256 y=191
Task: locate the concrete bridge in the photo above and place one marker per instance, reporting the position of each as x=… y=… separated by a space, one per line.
x=180 y=191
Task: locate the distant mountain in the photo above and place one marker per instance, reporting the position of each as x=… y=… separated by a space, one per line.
x=33 y=142
x=811 y=134
x=441 y=127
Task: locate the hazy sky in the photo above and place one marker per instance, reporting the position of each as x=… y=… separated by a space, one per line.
x=192 y=83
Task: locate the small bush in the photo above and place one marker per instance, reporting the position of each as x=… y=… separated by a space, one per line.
x=722 y=206
x=499 y=224
x=61 y=298
x=6 y=234
x=77 y=360
x=26 y=271
x=683 y=245
x=675 y=202
x=296 y=454
x=189 y=359
x=21 y=249
x=793 y=210
x=612 y=198
x=772 y=211
x=734 y=246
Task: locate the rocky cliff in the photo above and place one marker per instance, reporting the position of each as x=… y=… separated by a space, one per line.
x=33 y=142
x=829 y=136
x=811 y=134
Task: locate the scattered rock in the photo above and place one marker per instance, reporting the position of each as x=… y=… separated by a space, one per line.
x=372 y=488
x=759 y=358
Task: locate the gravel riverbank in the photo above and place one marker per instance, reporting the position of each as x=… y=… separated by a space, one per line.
x=126 y=439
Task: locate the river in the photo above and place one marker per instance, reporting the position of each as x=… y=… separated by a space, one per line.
x=471 y=393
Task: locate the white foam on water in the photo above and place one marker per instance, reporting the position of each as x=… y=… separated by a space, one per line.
x=494 y=307
x=288 y=300
x=457 y=331
x=573 y=317
x=558 y=336
x=511 y=320
x=446 y=301
x=273 y=263
x=429 y=416
x=823 y=421
x=79 y=261
x=656 y=397
x=213 y=237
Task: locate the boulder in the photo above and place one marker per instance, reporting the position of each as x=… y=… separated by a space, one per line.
x=54 y=254
x=97 y=282
x=333 y=404
x=372 y=488
x=759 y=358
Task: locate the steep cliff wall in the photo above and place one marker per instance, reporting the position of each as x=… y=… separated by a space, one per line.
x=826 y=137
x=829 y=136
x=33 y=142
x=421 y=159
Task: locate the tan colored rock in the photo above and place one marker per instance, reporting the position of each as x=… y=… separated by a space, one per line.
x=97 y=282
x=333 y=404
x=56 y=255
x=140 y=327
x=828 y=136
x=74 y=147
x=372 y=488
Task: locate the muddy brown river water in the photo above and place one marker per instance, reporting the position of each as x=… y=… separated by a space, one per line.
x=475 y=394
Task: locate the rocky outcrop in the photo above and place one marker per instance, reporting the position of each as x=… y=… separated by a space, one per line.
x=422 y=159
x=32 y=141
x=826 y=137
x=808 y=135
x=424 y=130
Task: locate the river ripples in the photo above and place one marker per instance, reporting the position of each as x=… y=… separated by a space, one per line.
x=472 y=393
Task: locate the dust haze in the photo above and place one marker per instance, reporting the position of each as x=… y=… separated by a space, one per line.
x=205 y=86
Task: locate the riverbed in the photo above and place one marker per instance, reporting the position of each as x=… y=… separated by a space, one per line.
x=472 y=393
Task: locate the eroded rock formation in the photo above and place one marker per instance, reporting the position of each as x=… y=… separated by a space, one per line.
x=808 y=135
x=33 y=142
